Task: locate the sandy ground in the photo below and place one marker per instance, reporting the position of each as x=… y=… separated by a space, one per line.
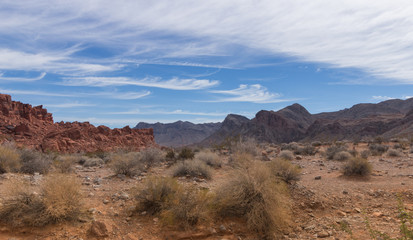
x=331 y=207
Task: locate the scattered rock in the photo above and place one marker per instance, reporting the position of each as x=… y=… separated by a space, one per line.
x=317 y=178
x=323 y=234
x=98 y=229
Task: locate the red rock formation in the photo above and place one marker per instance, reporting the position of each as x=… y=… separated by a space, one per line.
x=33 y=127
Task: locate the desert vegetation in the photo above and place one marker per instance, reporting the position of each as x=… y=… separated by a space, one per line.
x=235 y=192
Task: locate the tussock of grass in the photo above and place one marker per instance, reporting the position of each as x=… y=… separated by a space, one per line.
x=246 y=146
x=342 y=156
x=357 y=167
x=394 y=153
x=255 y=196
x=193 y=168
x=286 y=154
x=285 y=170
x=333 y=150
x=64 y=164
x=151 y=156
x=59 y=200
x=210 y=158
x=378 y=149
x=9 y=159
x=128 y=164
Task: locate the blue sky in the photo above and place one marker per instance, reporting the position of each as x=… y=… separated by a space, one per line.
x=121 y=62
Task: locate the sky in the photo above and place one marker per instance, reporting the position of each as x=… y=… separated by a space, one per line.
x=121 y=62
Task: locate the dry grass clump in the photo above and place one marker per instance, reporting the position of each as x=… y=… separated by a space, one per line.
x=65 y=163
x=365 y=154
x=292 y=146
x=174 y=204
x=246 y=146
x=33 y=161
x=307 y=150
x=91 y=161
x=316 y=144
x=255 y=196
x=151 y=156
x=210 y=158
x=188 y=208
x=186 y=153
x=286 y=154
x=357 y=167
x=193 y=168
x=394 y=153
x=285 y=170
x=59 y=200
x=342 y=156
x=157 y=194
x=128 y=164
x=239 y=160
x=9 y=159
x=333 y=150
x=378 y=149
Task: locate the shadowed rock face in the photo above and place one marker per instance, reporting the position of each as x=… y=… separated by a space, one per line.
x=179 y=133
x=33 y=127
x=392 y=118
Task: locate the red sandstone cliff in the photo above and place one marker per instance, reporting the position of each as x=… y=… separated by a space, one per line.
x=33 y=127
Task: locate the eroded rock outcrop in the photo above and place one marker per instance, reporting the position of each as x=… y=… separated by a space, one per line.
x=34 y=127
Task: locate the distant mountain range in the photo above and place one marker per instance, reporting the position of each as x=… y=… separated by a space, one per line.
x=392 y=118
x=179 y=133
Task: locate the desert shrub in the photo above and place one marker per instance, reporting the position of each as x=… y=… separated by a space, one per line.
x=378 y=149
x=239 y=160
x=210 y=158
x=394 y=153
x=306 y=150
x=65 y=163
x=187 y=208
x=91 y=161
x=9 y=159
x=33 y=161
x=342 y=156
x=400 y=146
x=151 y=156
x=286 y=154
x=156 y=195
x=285 y=170
x=292 y=146
x=186 y=153
x=60 y=200
x=248 y=145
x=333 y=150
x=365 y=154
x=357 y=167
x=316 y=144
x=193 y=168
x=170 y=155
x=253 y=195
x=353 y=152
x=128 y=164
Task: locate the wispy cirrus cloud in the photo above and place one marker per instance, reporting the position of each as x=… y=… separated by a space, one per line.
x=166 y=112
x=105 y=94
x=382 y=98
x=22 y=79
x=352 y=34
x=69 y=105
x=173 y=84
x=255 y=93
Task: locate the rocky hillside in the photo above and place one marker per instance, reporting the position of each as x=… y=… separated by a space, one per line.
x=179 y=133
x=392 y=118
x=34 y=127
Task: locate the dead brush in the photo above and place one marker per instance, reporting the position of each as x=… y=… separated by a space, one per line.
x=285 y=170
x=193 y=168
x=254 y=195
x=357 y=167
x=9 y=159
x=128 y=164
x=59 y=199
x=65 y=163
x=210 y=158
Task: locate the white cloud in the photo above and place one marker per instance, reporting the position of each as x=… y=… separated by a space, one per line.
x=112 y=95
x=69 y=105
x=249 y=93
x=382 y=98
x=164 y=112
x=174 y=83
x=22 y=79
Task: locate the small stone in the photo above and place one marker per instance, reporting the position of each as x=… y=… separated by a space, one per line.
x=317 y=178
x=345 y=192
x=378 y=214
x=357 y=210
x=105 y=201
x=98 y=229
x=124 y=196
x=323 y=234
x=143 y=213
x=222 y=228
x=128 y=219
x=155 y=220
x=91 y=195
